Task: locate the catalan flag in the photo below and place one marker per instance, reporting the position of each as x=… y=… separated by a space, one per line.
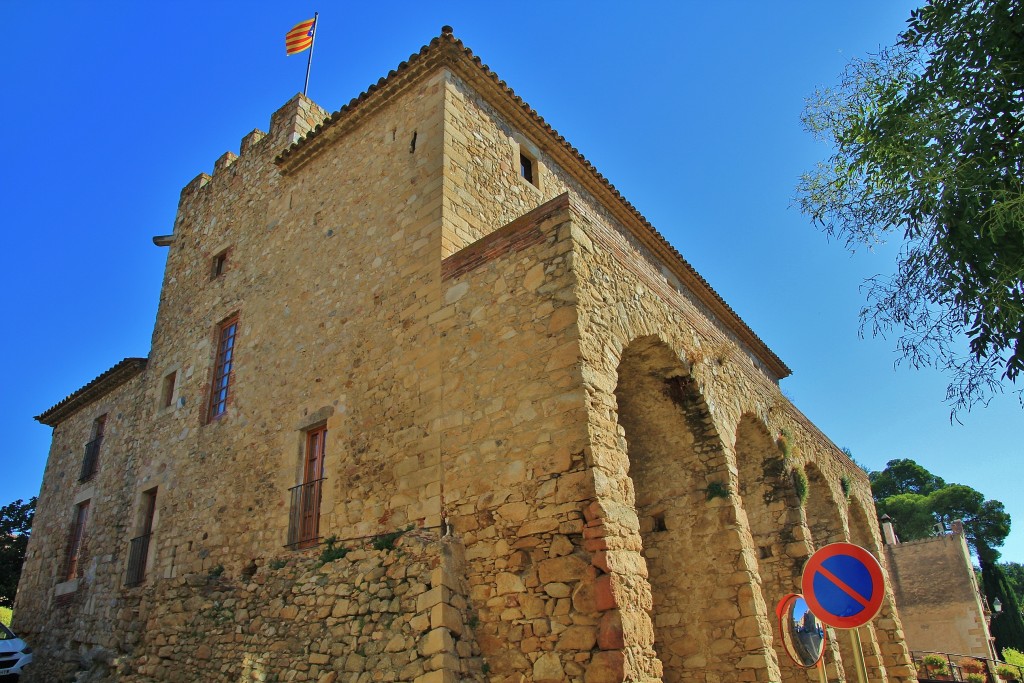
x=300 y=38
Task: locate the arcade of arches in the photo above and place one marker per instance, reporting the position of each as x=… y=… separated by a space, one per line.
x=723 y=533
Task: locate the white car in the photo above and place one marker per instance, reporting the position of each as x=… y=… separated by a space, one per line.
x=15 y=654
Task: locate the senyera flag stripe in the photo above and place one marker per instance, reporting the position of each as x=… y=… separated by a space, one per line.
x=300 y=37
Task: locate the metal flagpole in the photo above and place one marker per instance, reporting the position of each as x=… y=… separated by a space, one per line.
x=312 y=43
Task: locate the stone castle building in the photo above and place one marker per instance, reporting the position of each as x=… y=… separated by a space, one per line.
x=428 y=400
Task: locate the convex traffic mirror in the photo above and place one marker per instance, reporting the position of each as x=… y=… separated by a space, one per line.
x=802 y=633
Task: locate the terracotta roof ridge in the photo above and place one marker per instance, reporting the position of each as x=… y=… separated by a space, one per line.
x=448 y=50
x=97 y=388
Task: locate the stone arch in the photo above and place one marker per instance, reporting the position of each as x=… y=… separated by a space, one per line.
x=824 y=516
x=776 y=526
x=708 y=614
x=884 y=650
x=825 y=522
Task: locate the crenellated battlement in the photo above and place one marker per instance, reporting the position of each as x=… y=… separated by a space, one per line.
x=289 y=124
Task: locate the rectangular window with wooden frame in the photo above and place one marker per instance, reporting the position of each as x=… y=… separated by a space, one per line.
x=304 y=521
x=220 y=388
x=91 y=459
x=76 y=541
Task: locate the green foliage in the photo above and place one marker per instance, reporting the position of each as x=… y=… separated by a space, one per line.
x=1013 y=656
x=1009 y=673
x=1014 y=572
x=928 y=147
x=911 y=515
x=935 y=664
x=785 y=443
x=917 y=500
x=15 y=529
x=716 y=489
x=5 y=616
x=975 y=678
x=216 y=571
x=277 y=564
x=800 y=484
x=1007 y=627
x=331 y=551
x=846 y=485
x=903 y=476
x=387 y=541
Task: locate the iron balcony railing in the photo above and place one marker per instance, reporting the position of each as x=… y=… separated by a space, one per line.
x=138 y=551
x=304 y=518
x=945 y=666
x=91 y=461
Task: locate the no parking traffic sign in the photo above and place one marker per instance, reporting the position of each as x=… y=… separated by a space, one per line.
x=843 y=585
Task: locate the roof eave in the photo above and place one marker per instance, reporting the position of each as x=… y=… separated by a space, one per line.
x=94 y=390
x=446 y=51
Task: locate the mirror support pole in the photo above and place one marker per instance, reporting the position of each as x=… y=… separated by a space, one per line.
x=858 y=656
x=821 y=669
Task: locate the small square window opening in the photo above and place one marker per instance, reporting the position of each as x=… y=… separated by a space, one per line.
x=219 y=265
x=527 y=168
x=167 y=390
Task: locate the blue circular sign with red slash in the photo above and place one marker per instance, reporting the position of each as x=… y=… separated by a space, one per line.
x=843 y=585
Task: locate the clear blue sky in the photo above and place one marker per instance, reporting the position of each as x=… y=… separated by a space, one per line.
x=690 y=109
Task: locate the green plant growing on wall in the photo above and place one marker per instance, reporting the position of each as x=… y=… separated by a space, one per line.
x=716 y=489
x=277 y=564
x=387 y=541
x=215 y=572
x=785 y=444
x=846 y=485
x=332 y=551
x=800 y=484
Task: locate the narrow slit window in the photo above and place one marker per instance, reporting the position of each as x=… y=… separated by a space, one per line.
x=76 y=541
x=220 y=389
x=91 y=460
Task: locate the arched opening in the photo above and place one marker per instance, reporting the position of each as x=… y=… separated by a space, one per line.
x=874 y=638
x=824 y=518
x=692 y=548
x=825 y=521
x=773 y=514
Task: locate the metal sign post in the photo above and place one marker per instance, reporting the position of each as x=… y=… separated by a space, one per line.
x=844 y=587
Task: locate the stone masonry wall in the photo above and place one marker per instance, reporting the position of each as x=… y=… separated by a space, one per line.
x=939 y=601
x=625 y=294
x=56 y=613
x=376 y=614
x=515 y=483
